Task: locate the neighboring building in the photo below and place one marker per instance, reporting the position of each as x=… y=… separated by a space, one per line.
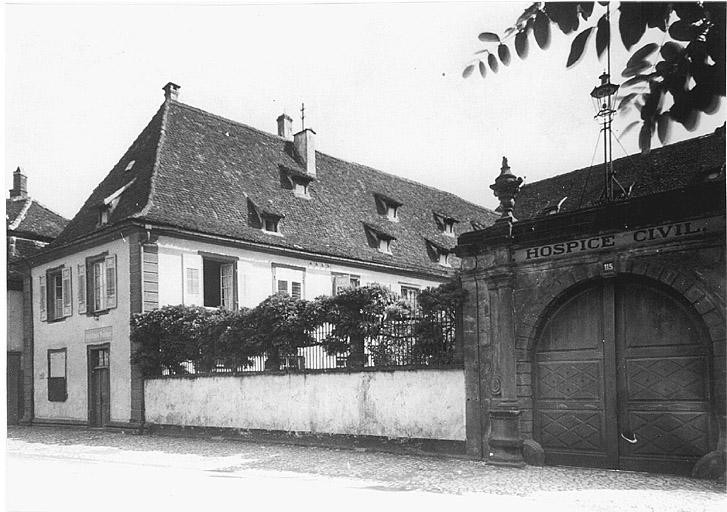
x=30 y=226
x=206 y=211
x=597 y=331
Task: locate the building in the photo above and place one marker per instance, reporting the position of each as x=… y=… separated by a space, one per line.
x=30 y=226
x=206 y=211
x=598 y=329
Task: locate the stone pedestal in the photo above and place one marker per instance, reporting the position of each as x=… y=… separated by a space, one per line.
x=504 y=442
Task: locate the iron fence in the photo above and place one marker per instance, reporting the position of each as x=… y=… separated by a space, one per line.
x=414 y=341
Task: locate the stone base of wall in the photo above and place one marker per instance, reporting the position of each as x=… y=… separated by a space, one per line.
x=410 y=446
x=115 y=426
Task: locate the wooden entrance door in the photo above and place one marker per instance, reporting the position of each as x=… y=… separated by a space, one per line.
x=621 y=380
x=99 y=394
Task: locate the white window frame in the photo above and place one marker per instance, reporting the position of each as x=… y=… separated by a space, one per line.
x=290 y=277
x=102 y=284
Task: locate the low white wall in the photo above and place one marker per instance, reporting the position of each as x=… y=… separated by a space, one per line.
x=426 y=404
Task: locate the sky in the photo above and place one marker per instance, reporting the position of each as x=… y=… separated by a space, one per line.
x=381 y=82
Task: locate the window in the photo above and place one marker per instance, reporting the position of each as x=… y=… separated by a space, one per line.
x=410 y=295
x=57 y=375
x=288 y=280
x=445 y=223
x=300 y=188
x=449 y=227
x=192 y=276
x=130 y=165
x=271 y=223
x=387 y=206
x=385 y=245
x=343 y=281
x=101 y=283
x=103 y=215
x=444 y=258
x=218 y=283
x=56 y=299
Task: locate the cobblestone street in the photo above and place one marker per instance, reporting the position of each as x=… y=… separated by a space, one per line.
x=186 y=470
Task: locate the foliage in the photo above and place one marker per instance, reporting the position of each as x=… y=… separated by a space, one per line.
x=168 y=337
x=438 y=321
x=685 y=73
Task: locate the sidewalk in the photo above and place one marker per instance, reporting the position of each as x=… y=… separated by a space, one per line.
x=581 y=489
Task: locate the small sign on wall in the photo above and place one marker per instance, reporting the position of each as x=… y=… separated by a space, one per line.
x=99 y=334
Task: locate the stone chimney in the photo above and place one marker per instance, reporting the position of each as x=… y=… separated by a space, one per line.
x=20 y=185
x=171 y=91
x=285 y=126
x=304 y=142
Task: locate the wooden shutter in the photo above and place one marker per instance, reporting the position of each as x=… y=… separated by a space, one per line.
x=296 y=290
x=110 y=275
x=192 y=290
x=67 y=295
x=81 y=289
x=43 y=300
x=226 y=286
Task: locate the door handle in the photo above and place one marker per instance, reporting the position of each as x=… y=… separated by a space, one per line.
x=631 y=441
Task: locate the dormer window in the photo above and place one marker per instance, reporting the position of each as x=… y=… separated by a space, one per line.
x=445 y=223
x=378 y=238
x=110 y=204
x=300 y=188
x=388 y=206
x=439 y=253
x=130 y=165
x=271 y=223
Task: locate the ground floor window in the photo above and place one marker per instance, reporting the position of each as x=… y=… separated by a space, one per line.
x=218 y=283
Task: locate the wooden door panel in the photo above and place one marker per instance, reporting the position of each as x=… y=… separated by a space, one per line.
x=666 y=379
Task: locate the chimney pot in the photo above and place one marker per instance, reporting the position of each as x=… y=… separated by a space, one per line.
x=171 y=91
x=304 y=142
x=285 y=126
x=20 y=184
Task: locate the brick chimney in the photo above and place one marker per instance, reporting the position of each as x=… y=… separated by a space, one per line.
x=304 y=142
x=171 y=91
x=285 y=126
x=20 y=185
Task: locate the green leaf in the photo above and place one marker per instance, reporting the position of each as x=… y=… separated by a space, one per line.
x=635 y=69
x=468 y=71
x=504 y=52
x=645 y=138
x=492 y=61
x=541 y=29
x=641 y=54
x=521 y=44
x=671 y=50
x=489 y=37
x=603 y=35
x=579 y=44
x=663 y=128
x=483 y=69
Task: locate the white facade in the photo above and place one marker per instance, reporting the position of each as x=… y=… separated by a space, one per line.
x=253 y=275
x=259 y=274
x=78 y=331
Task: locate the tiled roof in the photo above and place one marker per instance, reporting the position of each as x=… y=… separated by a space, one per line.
x=201 y=172
x=668 y=168
x=27 y=216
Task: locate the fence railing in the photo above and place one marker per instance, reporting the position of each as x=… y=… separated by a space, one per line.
x=406 y=342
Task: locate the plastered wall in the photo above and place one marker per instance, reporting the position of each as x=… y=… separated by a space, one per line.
x=427 y=404
x=75 y=333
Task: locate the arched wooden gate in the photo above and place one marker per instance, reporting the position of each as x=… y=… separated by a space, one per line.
x=622 y=379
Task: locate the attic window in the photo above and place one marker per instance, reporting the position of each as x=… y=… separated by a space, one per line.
x=387 y=206
x=477 y=226
x=110 y=204
x=378 y=239
x=300 y=188
x=438 y=253
x=444 y=258
x=271 y=223
x=130 y=165
x=445 y=223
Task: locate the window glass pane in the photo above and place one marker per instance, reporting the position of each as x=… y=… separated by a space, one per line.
x=99 y=291
x=282 y=286
x=58 y=296
x=226 y=285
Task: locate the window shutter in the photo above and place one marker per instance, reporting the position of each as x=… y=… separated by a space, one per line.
x=110 y=266
x=192 y=280
x=226 y=274
x=81 y=289
x=67 y=295
x=43 y=300
x=295 y=290
x=339 y=283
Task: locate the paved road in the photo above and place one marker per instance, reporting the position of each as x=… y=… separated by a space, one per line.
x=72 y=469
